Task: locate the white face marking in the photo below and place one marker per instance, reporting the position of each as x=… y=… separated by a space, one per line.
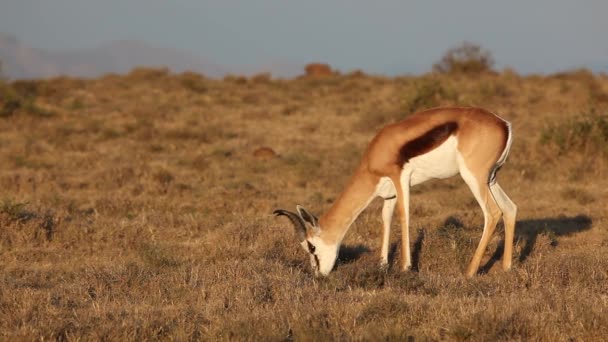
x=324 y=256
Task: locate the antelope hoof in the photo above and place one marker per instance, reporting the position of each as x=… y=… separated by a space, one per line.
x=471 y=273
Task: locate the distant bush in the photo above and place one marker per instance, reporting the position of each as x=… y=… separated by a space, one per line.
x=264 y=77
x=54 y=89
x=428 y=93
x=9 y=100
x=579 y=74
x=149 y=74
x=318 y=70
x=587 y=79
x=193 y=81
x=467 y=58
x=230 y=78
x=587 y=133
x=15 y=97
x=358 y=73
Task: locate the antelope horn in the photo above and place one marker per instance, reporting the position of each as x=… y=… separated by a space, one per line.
x=297 y=221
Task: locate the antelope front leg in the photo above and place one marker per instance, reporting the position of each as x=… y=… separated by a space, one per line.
x=387 y=216
x=403 y=194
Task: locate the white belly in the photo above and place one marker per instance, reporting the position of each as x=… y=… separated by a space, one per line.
x=440 y=162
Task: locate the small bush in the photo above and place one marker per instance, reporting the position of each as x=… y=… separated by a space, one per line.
x=264 y=77
x=10 y=101
x=18 y=97
x=582 y=75
x=26 y=88
x=428 y=93
x=193 y=82
x=148 y=74
x=587 y=133
x=467 y=58
x=585 y=78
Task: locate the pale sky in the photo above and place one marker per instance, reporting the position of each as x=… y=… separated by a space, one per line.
x=377 y=36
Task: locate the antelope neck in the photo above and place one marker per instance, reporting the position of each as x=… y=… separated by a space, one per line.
x=358 y=194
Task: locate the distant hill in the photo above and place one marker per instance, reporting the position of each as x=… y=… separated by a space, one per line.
x=21 y=61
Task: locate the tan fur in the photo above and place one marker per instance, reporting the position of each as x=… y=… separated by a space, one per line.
x=482 y=138
x=353 y=199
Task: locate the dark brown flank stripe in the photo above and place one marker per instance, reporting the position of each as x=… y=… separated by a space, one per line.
x=426 y=142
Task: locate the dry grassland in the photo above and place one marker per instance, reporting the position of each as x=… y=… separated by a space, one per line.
x=137 y=208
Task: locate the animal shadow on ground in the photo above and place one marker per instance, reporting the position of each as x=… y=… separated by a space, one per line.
x=415 y=251
x=527 y=232
x=348 y=254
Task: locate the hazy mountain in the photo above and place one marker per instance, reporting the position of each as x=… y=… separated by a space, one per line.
x=22 y=61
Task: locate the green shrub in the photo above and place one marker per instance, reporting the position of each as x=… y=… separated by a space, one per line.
x=428 y=93
x=19 y=96
x=9 y=100
x=587 y=133
x=467 y=58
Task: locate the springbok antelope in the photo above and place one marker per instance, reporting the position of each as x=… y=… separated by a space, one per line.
x=436 y=143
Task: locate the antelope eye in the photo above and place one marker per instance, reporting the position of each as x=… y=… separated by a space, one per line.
x=311 y=247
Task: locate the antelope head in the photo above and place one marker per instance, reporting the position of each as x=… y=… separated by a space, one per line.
x=322 y=255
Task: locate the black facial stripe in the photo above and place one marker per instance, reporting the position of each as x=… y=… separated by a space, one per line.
x=311 y=247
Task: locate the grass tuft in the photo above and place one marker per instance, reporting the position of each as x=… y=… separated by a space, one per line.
x=16 y=211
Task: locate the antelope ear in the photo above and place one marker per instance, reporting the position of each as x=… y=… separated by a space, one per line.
x=308 y=218
x=296 y=220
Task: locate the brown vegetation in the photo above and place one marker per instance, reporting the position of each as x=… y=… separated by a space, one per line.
x=134 y=208
x=318 y=70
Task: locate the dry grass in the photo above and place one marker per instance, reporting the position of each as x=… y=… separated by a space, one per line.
x=137 y=210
